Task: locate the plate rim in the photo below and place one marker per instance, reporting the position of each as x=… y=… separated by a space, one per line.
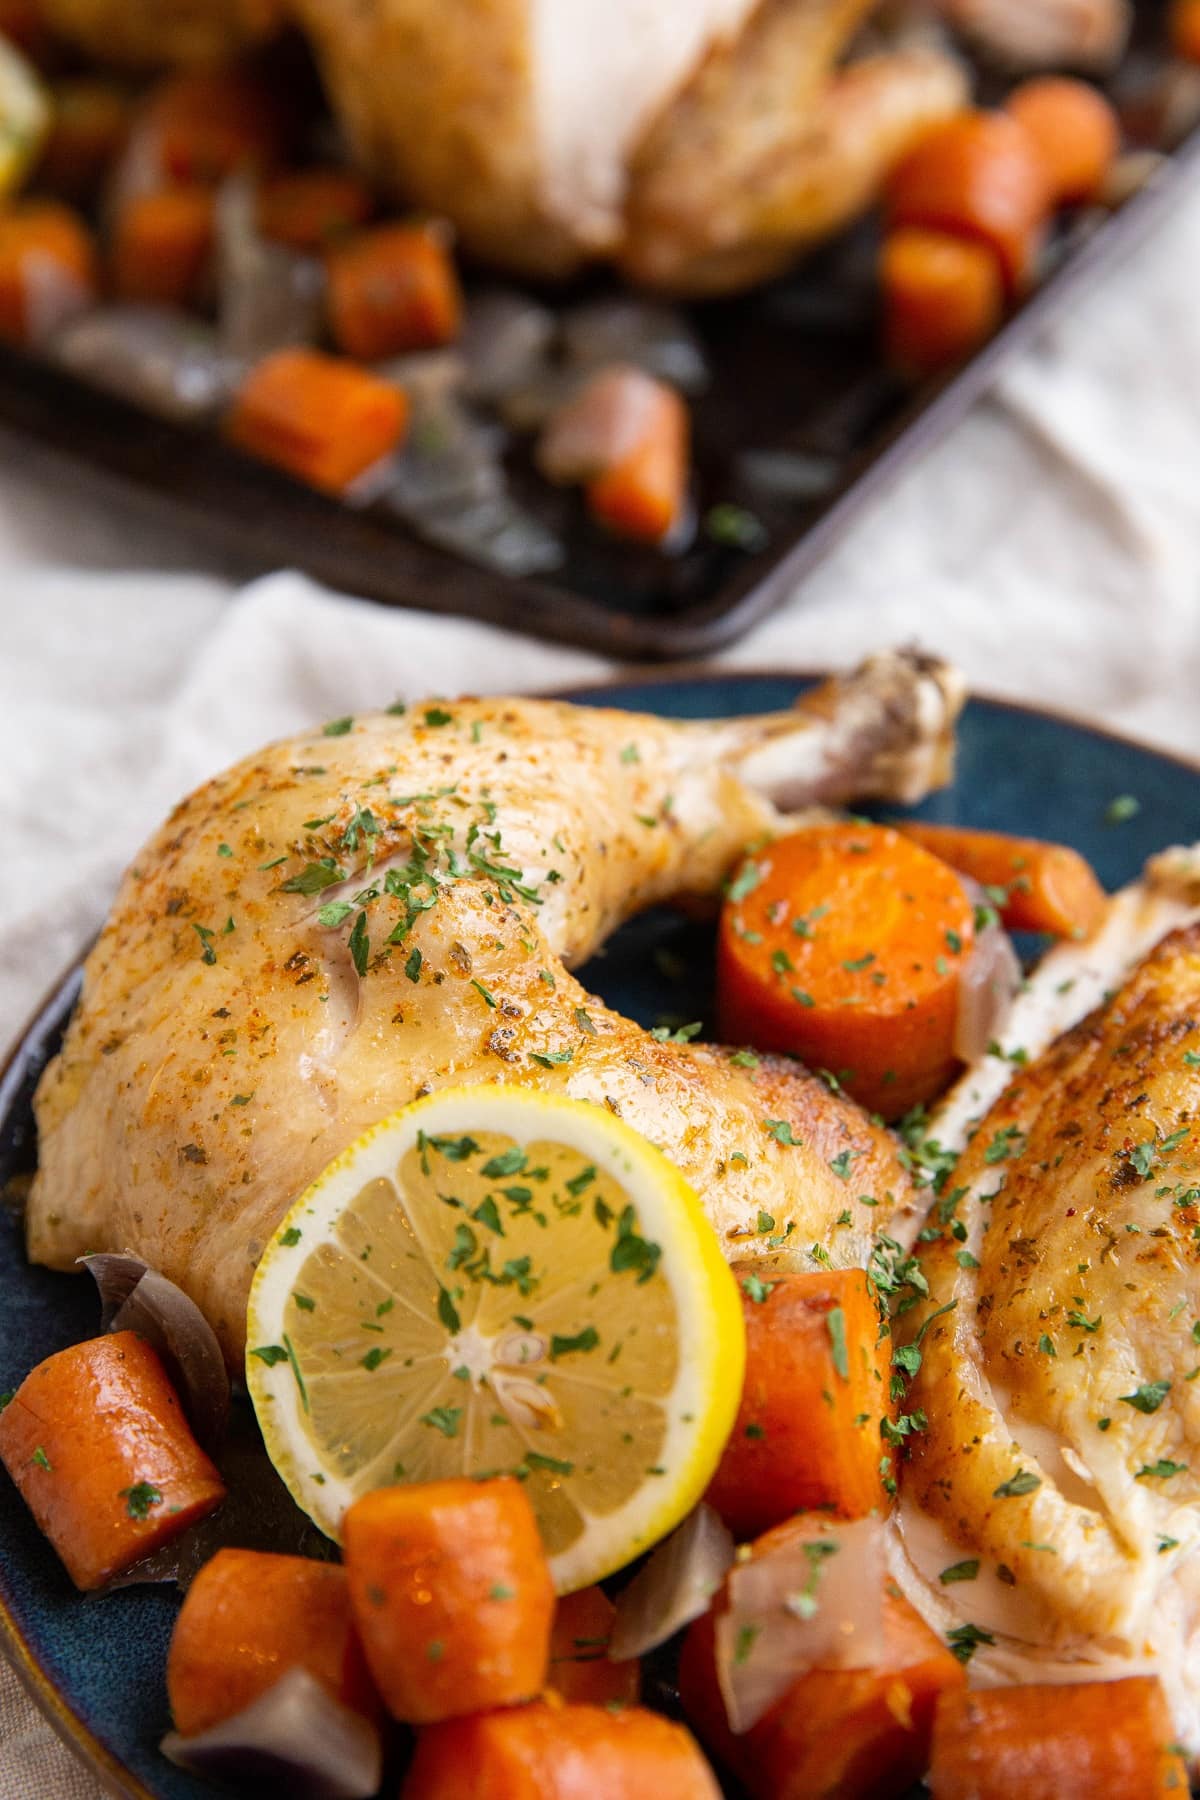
x=14 y=1647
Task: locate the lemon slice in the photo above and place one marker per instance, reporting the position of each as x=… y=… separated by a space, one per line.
x=24 y=117
x=498 y=1281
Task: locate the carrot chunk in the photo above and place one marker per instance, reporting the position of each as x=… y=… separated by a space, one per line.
x=97 y=1443
x=843 y=944
x=47 y=268
x=162 y=246
x=321 y=419
x=91 y=119
x=978 y=174
x=807 y=1431
x=942 y=296
x=579 y=1666
x=544 y=1752
x=205 y=124
x=392 y=289
x=835 y=1734
x=1183 y=29
x=1076 y=132
x=307 y=208
x=642 y=494
x=1034 y=886
x=247 y=1619
x=1057 y=1743
x=452 y=1593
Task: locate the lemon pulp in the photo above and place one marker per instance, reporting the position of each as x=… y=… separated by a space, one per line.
x=497 y=1281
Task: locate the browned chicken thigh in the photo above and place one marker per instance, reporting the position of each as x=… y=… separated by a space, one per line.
x=1054 y=1461
x=356 y=916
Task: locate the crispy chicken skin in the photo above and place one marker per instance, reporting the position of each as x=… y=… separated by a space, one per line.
x=227 y=1046
x=145 y=33
x=768 y=152
x=1062 y=1410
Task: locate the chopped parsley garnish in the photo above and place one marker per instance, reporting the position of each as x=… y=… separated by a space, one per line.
x=964 y=1640
x=960 y=1571
x=1160 y=1471
x=140 y=1498
x=1023 y=1482
x=745 y=882
x=1148 y=1397
x=835 y=1324
x=757 y=1290
x=360 y=945
x=337 y=728
x=781 y=1131
x=587 y=1339
x=1120 y=808
x=444 y=1419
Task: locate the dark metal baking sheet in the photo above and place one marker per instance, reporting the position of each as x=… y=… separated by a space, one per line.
x=796 y=368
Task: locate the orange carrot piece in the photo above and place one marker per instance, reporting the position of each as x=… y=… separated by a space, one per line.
x=208 y=123
x=817 y=1379
x=1035 y=886
x=91 y=120
x=1057 y=1743
x=580 y=1670
x=452 y=1593
x=942 y=297
x=642 y=495
x=97 y=1443
x=1076 y=131
x=836 y=1734
x=546 y=1752
x=163 y=245
x=843 y=944
x=42 y=244
x=978 y=174
x=247 y=1619
x=307 y=208
x=321 y=419
x=392 y=289
x=1183 y=29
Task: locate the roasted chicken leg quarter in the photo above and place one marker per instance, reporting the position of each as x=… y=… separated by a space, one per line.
x=357 y=916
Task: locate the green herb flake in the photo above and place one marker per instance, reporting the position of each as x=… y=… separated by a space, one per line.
x=960 y=1571
x=444 y=1419
x=1160 y=1471
x=270 y=1354
x=835 y=1324
x=360 y=945
x=140 y=1498
x=1148 y=1397
x=964 y=1640
x=337 y=728
x=584 y=1340
x=756 y=1289
x=1023 y=1482
x=1121 y=808
x=781 y=1131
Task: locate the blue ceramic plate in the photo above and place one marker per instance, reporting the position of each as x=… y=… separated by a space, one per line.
x=96 y=1663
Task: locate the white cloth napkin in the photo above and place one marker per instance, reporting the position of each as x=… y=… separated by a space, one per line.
x=1051 y=546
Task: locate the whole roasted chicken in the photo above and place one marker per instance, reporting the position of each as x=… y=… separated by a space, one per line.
x=700 y=143
x=360 y=915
